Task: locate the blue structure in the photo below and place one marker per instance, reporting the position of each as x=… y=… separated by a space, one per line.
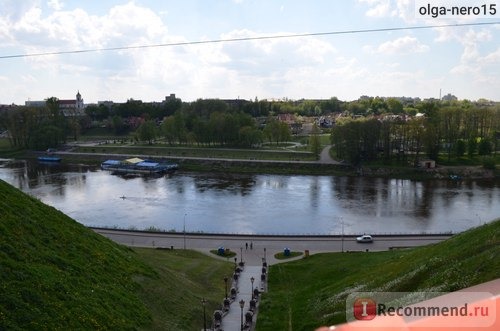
x=136 y=165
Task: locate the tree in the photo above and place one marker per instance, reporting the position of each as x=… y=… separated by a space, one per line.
x=118 y=125
x=460 y=148
x=394 y=106
x=147 y=131
x=315 y=142
x=471 y=147
x=484 y=147
x=168 y=130
x=271 y=130
x=416 y=133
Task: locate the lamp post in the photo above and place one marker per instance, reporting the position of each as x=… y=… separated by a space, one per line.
x=251 y=280
x=342 y=223
x=265 y=257
x=184 y=230
x=225 y=282
x=203 y=301
x=242 y=304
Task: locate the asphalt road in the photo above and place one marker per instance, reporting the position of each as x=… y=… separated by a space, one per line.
x=264 y=246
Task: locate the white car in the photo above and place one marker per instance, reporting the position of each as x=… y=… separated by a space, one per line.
x=366 y=238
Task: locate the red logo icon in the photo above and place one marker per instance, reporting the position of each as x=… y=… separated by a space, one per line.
x=364 y=309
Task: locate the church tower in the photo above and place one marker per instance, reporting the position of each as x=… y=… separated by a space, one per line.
x=79 y=101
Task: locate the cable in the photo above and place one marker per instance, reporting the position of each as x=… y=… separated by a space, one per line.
x=246 y=39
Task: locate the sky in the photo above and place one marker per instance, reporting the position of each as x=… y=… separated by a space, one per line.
x=463 y=61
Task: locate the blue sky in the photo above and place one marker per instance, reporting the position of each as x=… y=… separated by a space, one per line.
x=464 y=61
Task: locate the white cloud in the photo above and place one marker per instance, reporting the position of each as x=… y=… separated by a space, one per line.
x=378 y=8
x=55 y=4
x=492 y=58
x=390 y=8
x=403 y=45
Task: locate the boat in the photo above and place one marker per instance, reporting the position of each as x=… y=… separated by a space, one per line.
x=138 y=166
x=53 y=159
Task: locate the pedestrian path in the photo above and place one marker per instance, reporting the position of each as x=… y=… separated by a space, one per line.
x=236 y=315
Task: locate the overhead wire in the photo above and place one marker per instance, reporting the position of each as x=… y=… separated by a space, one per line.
x=213 y=41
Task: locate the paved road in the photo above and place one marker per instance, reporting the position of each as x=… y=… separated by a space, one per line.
x=264 y=246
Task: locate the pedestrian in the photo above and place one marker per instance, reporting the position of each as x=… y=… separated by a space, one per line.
x=246 y=245
x=251 y=245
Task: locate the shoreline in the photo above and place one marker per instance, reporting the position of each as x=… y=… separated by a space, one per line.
x=295 y=167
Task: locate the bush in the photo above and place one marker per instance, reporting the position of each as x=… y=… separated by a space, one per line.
x=489 y=163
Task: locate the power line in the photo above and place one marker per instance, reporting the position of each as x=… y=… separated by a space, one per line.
x=298 y=35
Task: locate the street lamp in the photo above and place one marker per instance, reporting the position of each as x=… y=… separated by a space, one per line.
x=225 y=282
x=203 y=301
x=184 y=231
x=242 y=304
x=251 y=280
x=342 y=222
x=265 y=257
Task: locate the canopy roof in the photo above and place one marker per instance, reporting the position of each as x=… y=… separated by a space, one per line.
x=134 y=160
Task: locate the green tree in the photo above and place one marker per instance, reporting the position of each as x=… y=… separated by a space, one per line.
x=484 y=147
x=118 y=125
x=147 y=131
x=315 y=142
x=460 y=148
x=471 y=147
x=394 y=106
x=417 y=134
x=168 y=130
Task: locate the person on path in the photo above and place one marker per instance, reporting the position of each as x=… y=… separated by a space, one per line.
x=251 y=245
x=246 y=245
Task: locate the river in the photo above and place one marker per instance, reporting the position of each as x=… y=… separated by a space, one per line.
x=257 y=204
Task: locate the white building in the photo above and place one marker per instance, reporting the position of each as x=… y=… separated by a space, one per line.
x=68 y=107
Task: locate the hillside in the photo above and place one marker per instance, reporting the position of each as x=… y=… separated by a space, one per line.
x=311 y=292
x=56 y=274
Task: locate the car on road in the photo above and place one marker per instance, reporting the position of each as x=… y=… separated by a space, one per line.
x=366 y=238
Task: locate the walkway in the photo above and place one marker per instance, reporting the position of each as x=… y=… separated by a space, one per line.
x=232 y=321
x=325 y=157
x=260 y=249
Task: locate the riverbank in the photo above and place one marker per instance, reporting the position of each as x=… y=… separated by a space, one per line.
x=292 y=167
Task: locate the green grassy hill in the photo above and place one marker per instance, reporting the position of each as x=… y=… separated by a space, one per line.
x=55 y=274
x=311 y=292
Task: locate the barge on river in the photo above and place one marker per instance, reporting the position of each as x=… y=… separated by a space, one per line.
x=138 y=166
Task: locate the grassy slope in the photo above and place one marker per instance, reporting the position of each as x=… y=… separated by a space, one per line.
x=311 y=292
x=57 y=274
x=184 y=279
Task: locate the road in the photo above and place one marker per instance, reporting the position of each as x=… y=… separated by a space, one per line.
x=264 y=246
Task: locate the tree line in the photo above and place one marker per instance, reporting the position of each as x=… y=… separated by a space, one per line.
x=369 y=128
x=454 y=130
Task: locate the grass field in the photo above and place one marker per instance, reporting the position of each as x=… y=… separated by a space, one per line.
x=55 y=274
x=311 y=292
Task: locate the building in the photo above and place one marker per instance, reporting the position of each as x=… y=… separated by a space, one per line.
x=72 y=107
x=68 y=107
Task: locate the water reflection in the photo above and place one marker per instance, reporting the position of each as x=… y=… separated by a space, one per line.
x=230 y=183
x=258 y=203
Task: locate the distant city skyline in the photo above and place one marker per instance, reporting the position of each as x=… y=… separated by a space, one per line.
x=424 y=63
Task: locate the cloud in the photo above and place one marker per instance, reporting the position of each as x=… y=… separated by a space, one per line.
x=492 y=58
x=378 y=8
x=403 y=45
x=390 y=8
x=55 y=4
